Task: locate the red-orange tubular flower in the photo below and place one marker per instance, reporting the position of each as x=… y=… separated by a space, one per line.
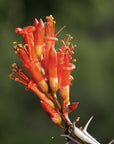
x=18 y=75
x=27 y=53
x=65 y=68
x=39 y=37
x=50 y=69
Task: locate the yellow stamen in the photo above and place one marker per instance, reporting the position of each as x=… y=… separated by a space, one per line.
x=19 y=45
x=15 y=43
x=16 y=52
x=71 y=37
x=14 y=65
x=17 y=48
x=10 y=75
x=16 y=79
x=74 y=60
x=49 y=17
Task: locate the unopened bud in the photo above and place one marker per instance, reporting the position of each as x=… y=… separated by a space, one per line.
x=39 y=50
x=33 y=86
x=54 y=116
x=64 y=94
x=53 y=82
x=43 y=86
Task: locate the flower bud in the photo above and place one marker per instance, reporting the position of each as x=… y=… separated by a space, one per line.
x=52 y=69
x=39 y=37
x=64 y=94
x=54 y=116
x=43 y=86
x=33 y=68
x=53 y=82
x=42 y=96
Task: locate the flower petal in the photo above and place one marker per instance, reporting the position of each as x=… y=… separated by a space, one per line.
x=70 y=108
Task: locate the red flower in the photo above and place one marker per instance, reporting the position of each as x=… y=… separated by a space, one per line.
x=27 y=53
x=64 y=66
x=49 y=42
x=20 y=76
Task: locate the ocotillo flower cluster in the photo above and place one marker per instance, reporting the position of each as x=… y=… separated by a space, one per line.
x=49 y=68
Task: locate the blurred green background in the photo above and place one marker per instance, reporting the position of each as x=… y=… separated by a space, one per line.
x=91 y=23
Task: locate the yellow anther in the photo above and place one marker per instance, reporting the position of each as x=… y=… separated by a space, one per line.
x=16 y=52
x=10 y=75
x=18 y=49
x=14 y=65
x=74 y=60
x=15 y=43
x=49 y=17
x=71 y=38
x=16 y=79
x=19 y=45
